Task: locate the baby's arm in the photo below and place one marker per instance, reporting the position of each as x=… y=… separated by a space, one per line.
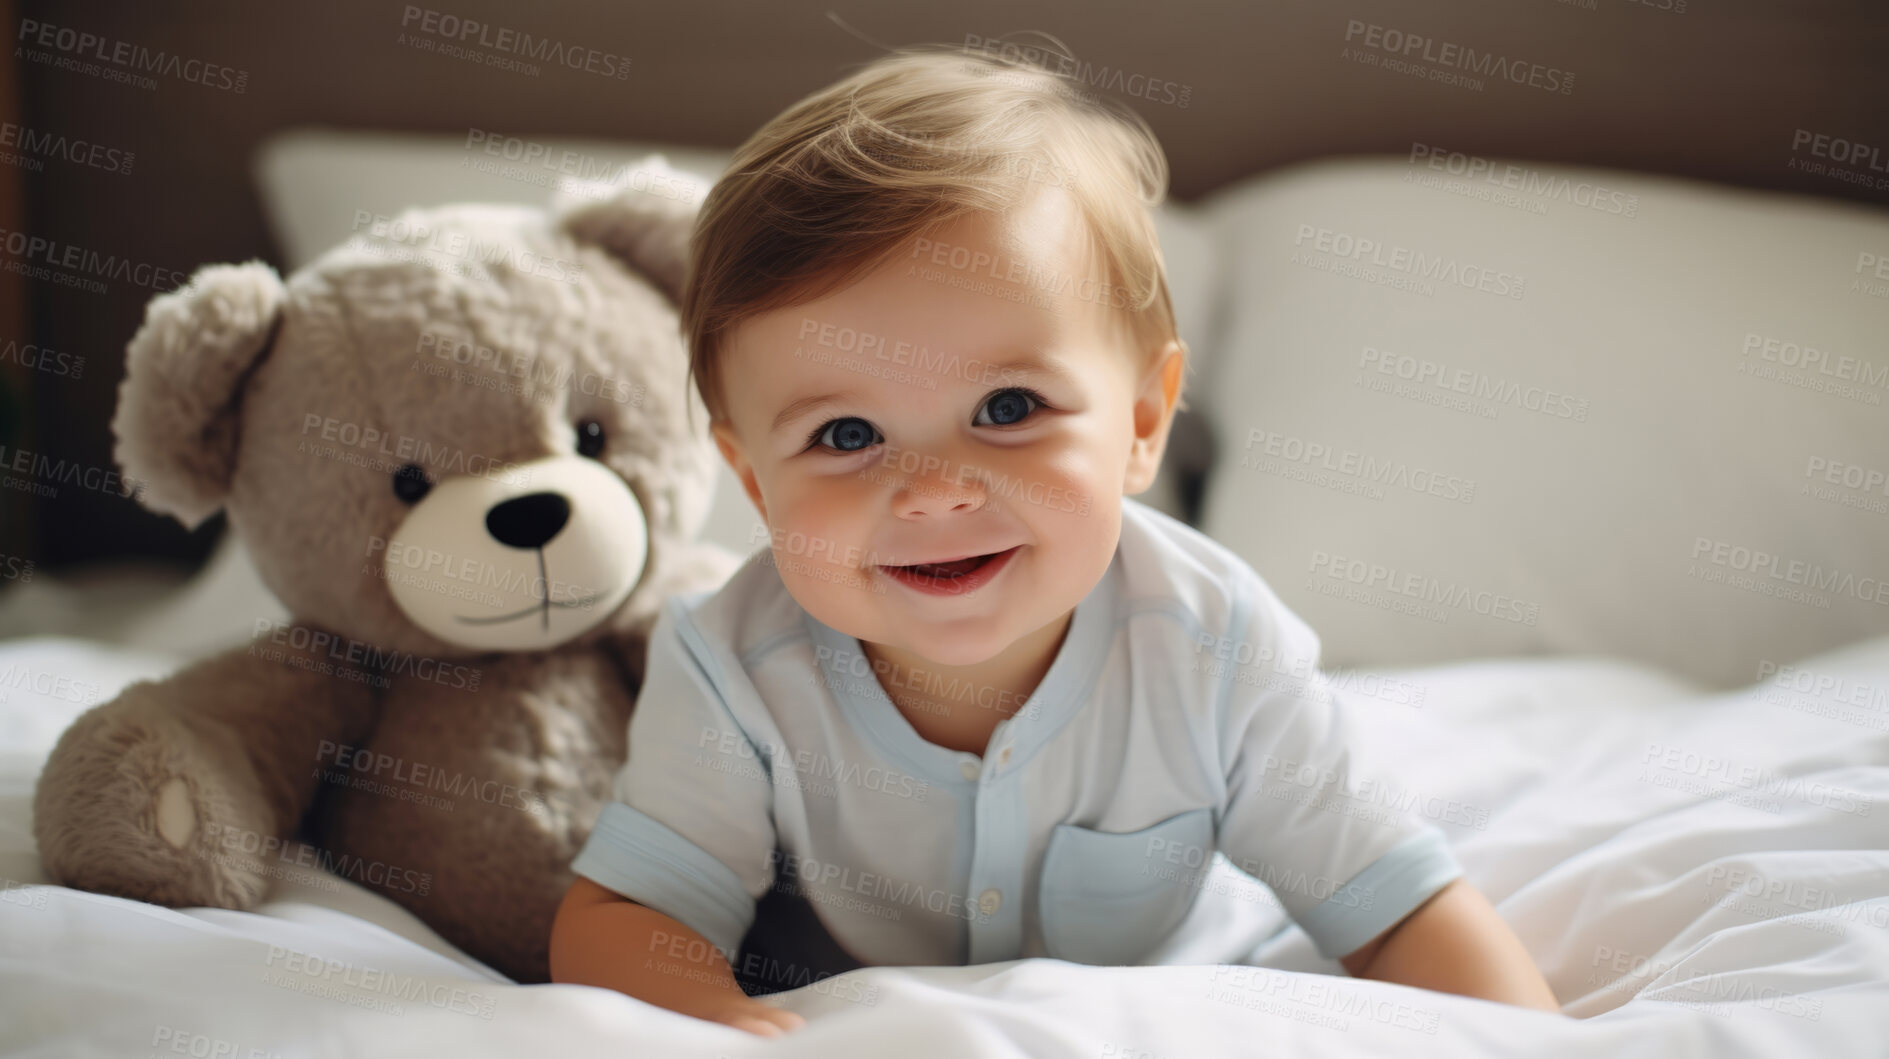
x=604 y=939
x=1455 y=943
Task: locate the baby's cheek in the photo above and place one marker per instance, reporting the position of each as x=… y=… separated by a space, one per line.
x=1076 y=484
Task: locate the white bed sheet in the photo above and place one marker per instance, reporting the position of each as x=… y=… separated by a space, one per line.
x=1628 y=872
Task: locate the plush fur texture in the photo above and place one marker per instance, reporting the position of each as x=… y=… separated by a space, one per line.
x=481 y=785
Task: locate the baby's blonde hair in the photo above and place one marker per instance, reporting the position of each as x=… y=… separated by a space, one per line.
x=822 y=193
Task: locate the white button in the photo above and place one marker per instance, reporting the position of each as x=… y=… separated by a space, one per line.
x=989 y=902
x=970 y=768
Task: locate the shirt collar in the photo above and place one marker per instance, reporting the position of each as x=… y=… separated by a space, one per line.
x=1065 y=687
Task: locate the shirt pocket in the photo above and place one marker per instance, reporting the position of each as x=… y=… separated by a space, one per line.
x=1110 y=897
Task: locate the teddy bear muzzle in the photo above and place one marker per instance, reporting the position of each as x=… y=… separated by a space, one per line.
x=520 y=560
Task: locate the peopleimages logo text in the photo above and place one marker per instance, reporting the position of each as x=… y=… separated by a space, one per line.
x=1458 y=57
x=1410 y=262
x=80 y=45
x=503 y=40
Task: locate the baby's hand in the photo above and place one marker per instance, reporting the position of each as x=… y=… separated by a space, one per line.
x=595 y=927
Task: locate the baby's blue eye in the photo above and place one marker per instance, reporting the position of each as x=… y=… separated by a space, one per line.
x=1007 y=406
x=847 y=435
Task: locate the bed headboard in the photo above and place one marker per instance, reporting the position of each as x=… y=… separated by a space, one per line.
x=1728 y=90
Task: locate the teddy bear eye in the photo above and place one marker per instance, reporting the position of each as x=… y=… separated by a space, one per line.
x=589 y=438
x=410 y=483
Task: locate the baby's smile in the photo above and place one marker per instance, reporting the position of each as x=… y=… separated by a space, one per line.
x=955 y=577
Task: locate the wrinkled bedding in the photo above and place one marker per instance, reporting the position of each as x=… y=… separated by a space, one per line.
x=1696 y=873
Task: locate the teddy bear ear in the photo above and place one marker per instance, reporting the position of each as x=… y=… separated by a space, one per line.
x=177 y=425
x=644 y=215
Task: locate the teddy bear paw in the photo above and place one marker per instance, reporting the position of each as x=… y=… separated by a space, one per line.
x=133 y=804
x=175 y=813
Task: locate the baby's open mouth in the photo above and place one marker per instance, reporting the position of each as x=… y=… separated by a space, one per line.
x=956 y=568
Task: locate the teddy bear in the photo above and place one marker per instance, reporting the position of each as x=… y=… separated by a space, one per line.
x=462 y=452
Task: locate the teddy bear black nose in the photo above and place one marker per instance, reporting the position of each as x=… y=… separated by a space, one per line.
x=528 y=521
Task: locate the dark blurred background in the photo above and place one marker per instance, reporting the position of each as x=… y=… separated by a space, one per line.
x=1713 y=89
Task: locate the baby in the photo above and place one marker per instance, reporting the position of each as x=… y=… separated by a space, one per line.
x=974 y=703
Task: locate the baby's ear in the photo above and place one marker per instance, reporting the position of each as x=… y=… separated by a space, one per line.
x=179 y=406
x=644 y=215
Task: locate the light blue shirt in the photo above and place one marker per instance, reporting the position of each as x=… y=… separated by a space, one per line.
x=1184 y=714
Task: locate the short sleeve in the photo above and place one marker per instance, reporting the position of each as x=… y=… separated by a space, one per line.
x=1333 y=838
x=691 y=832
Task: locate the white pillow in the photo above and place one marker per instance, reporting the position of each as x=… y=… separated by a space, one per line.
x=1634 y=448
x=317 y=183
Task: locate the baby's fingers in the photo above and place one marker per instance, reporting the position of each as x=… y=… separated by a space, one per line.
x=763 y=1020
